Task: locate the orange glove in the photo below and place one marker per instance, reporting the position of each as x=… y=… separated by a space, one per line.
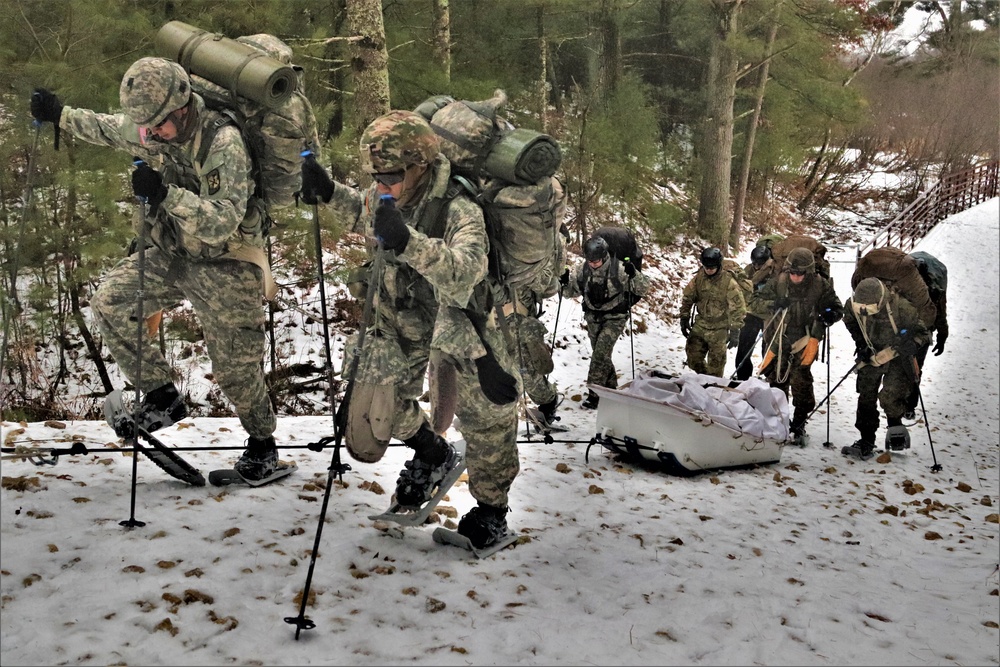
x=809 y=353
x=768 y=358
x=153 y=323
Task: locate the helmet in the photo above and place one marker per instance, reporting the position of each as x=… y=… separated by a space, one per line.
x=801 y=260
x=869 y=297
x=152 y=88
x=596 y=248
x=759 y=255
x=711 y=258
x=396 y=141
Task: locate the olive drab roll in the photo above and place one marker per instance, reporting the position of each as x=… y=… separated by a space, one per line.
x=241 y=68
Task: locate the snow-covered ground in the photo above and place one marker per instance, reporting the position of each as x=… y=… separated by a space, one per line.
x=814 y=560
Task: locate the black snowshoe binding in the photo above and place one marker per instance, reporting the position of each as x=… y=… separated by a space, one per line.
x=861 y=449
x=418 y=480
x=484 y=525
x=897 y=438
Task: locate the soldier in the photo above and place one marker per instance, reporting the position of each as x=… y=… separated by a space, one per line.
x=887 y=331
x=431 y=298
x=804 y=305
x=720 y=305
x=609 y=289
x=760 y=257
x=935 y=275
x=206 y=237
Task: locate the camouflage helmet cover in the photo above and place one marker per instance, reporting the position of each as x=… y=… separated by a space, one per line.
x=801 y=259
x=396 y=141
x=152 y=88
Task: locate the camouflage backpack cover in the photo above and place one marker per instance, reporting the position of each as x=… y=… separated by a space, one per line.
x=276 y=136
x=511 y=174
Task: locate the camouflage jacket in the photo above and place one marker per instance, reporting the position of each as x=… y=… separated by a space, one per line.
x=428 y=291
x=884 y=329
x=206 y=212
x=606 y=290
x=806 y=301
x=719 y=300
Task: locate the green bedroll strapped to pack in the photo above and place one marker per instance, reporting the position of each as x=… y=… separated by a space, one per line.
x=253 y=82
x=511 y=173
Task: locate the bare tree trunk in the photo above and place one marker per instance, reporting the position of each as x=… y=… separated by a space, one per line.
x=441 y=37
x=334 y=54
x=610 y=55
x=543 y=68
x=717 y=133
x=741 y=190
x=369 y=61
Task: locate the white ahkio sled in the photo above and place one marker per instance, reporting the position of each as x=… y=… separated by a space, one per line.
x=692 y=423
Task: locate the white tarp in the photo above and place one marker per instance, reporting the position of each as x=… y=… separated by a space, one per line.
x=752 y=407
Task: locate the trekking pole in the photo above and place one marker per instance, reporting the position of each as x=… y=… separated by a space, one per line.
x=29 y=192
x=936 y=467
x=555 y=325
x=302 y=622
x=631 y=340
x=140 y=322
x=826 y=359
x=855 y=367
x=320 y=277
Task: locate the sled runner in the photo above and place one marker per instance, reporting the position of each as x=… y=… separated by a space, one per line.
x=692 y=423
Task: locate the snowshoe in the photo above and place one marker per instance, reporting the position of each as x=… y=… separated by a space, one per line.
x=897 y=438
x=861 y=449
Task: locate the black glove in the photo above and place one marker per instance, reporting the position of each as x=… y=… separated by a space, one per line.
x=863 y=353
x=147 y=184
x=734 y=338
x=942 y=336
x=906 y=346
x=781 y=302
x=390 y=229
x=685 y=326
x=829 y=316
x=564 y=278
x=316 y=183
x=46 y=108
x=629 y=269
x=498 y=385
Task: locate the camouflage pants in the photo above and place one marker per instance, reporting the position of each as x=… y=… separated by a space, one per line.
x=896 y=381
x=604 y=331
x=490 y=430
x=225 y=295
x=800 y=381
x=533 y=356
x=710 y=342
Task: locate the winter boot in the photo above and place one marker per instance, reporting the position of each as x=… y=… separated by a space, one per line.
x=259 y=460
x=433 y=459
x=591 y=402
x=484 y=525
x=862 y=449
x=798 y=435
x=161 y=407
x=897 y=438
x=548 y=410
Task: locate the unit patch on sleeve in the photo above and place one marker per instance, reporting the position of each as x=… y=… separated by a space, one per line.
x=214 y=181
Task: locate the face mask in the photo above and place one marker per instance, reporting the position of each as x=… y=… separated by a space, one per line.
x=865 y=309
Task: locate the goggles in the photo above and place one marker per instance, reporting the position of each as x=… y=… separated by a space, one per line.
x=389 y=179
x=796 y=272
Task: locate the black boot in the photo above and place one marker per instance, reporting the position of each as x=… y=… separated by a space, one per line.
x=433 y=459
x=484 y=525
x=259 y=460
x=592 y=400
x=161 y=407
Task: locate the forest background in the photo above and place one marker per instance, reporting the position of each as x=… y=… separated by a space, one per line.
x=693 y=122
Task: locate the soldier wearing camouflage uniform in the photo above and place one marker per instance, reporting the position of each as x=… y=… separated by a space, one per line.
x=609 y=289
x=887 y=331
x=799 y=305
x=717 y=300
x=206 y=242
x=432 y=297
